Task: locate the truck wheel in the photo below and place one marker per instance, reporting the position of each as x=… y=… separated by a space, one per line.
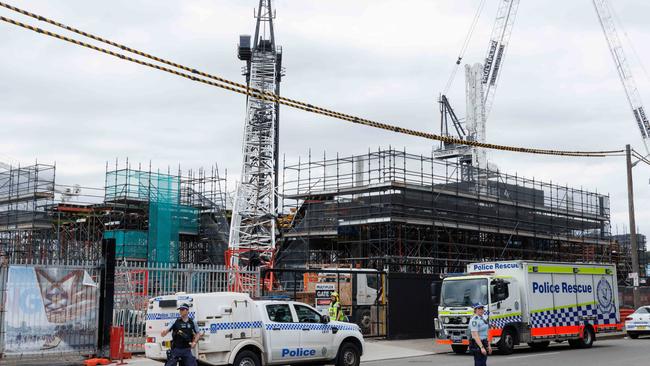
x=459 y=349
x=507 y=343
x=539 y=345
x=587 y=339
x=348 y=355
x=633 y=335
x=247 y=358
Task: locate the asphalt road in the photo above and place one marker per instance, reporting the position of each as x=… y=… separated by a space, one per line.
x=611 y=352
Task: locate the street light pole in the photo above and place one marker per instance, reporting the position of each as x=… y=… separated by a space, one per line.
x=633 y=238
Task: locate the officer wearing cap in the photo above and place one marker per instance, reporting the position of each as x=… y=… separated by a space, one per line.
x=185 y=334
x=479 y=345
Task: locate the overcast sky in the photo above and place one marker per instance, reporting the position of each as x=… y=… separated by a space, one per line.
x=385 y=60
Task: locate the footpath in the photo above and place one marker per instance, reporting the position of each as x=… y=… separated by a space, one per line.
x=381 y=349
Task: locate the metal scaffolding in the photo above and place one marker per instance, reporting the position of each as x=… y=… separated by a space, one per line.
x=151 y=215
x=25 y=193
x=391 y=209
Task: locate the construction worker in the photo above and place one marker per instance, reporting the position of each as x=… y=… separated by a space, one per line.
x=479 y=345
x=335 y=311
x=185 y=334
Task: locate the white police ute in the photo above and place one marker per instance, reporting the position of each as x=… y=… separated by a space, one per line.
x=244 y=332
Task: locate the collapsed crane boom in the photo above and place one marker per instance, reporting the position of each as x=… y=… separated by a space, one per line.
x=604 y=12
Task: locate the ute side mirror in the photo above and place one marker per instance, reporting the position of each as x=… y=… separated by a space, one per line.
x=324 y=319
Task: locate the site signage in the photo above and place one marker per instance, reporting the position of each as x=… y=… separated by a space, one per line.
x=323 y=293
x=486 y=267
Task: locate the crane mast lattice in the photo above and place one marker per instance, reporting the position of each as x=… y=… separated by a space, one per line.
x=253 y=225
x=605 y=16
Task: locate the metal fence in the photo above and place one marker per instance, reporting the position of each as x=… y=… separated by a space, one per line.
x=136 y=283
x=362 y=296
x=48 y=311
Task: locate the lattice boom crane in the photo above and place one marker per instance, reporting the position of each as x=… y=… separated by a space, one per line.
x=253 y=225
x=604 y=11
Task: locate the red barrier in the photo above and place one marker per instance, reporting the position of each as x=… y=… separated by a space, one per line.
x=117 y=345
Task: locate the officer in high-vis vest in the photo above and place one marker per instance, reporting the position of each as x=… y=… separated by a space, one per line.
x=185 y=334
x=479 y=345
x=335 y=311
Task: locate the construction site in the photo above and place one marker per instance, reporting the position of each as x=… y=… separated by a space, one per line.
x=375 y=226
x=385 y=209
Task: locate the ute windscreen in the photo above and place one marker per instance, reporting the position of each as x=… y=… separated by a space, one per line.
x=167 y=303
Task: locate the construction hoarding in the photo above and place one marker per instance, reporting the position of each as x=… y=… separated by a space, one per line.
x=49 y=310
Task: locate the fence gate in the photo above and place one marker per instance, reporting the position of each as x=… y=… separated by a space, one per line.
x=48 y=311
x=136 y=283
x=411 y=306
x=361 y=291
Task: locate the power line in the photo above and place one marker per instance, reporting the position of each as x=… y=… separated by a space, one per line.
x=243 y=89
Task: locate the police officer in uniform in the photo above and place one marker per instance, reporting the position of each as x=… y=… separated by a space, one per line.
x=479 y=345
x=185 y=334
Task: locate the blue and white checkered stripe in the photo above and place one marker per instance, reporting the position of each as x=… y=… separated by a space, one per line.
x=167 y=316
x=310 y=326
x=502 y=322
x=215 y=327
x=237 y=325
x=571 y=316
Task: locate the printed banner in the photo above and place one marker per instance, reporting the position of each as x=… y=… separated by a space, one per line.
x=50 y=309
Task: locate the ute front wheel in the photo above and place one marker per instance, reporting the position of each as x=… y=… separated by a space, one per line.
x=349 y=355
x=247 y=358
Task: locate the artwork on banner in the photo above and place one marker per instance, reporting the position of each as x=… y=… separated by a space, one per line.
x=50 y=309
x=323 y=293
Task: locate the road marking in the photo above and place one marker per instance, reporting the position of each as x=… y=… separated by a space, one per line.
x=535 y=355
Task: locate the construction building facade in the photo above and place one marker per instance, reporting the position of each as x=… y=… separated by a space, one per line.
x=410 y=213
x=153 y=216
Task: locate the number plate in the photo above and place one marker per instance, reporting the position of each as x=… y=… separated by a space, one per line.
x=167 y=344
x=641 y=327
x=456 y=339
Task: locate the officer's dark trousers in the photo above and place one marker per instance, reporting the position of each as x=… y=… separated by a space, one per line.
x=479 y=358
x=183 y=354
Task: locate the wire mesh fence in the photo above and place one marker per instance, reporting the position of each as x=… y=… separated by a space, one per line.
x=50 y=309
x=136 y=283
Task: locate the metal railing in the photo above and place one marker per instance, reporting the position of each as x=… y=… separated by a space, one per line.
x=136 y=283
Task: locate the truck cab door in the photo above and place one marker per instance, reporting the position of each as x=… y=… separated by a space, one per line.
x=505 y=303
x=282 y=333
x=316 y=338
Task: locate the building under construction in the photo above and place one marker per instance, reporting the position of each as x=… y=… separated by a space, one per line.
x=413 y=213
x=153 y=216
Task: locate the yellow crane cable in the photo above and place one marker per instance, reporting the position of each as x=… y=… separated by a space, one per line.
x=269 y=96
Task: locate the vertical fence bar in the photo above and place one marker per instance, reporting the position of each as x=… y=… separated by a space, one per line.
x=4 y=271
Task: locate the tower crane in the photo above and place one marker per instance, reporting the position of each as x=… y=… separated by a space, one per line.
x=481 y=85
x=253 y=226
x=604 y=12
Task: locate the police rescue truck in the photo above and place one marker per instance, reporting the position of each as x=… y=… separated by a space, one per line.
x=530 y=302
x=240 y=331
